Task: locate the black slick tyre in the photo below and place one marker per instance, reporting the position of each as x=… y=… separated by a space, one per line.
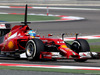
x=80 y=45
x=33 y=49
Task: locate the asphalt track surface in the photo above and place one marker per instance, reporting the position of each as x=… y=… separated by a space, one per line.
x=5 y=72
x=90 y=26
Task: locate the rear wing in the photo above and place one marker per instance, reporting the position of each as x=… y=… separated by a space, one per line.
x=4 y=29
x=5 y=26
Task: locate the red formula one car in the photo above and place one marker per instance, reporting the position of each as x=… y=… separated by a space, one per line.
x=21 y=39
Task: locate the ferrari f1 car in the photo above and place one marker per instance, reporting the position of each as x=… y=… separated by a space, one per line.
x=21 y=39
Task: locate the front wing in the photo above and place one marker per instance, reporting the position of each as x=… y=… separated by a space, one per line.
x=57 y=55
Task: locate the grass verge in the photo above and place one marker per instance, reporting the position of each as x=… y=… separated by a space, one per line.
x=50 y=70
x=11 y=17
x=93 y=40
x=95 y=48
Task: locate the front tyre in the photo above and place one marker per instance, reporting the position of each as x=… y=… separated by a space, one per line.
x=80 y=60
x=80 y=45
x=33 y=49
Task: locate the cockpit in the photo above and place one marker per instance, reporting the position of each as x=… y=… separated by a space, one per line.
x=32 y=33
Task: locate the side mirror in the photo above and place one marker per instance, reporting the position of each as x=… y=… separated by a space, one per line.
x=37 y=35
x=50 y=35
x=77 y=35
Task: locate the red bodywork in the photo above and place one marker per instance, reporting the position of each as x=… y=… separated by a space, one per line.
x=15 y=42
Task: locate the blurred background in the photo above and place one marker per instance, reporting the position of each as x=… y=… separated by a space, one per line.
x=52 y=2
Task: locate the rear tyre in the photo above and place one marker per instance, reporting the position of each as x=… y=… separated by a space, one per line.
x=33 y=49
x=80 y=45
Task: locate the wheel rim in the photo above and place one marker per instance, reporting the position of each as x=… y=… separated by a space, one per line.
x=76 y=46
x=30 y=49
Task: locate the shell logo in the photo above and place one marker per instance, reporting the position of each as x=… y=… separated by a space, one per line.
x=9 y=34
x=64 y=46
x=10 y=45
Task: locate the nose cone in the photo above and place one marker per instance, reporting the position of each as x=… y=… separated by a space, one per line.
x=68 y=52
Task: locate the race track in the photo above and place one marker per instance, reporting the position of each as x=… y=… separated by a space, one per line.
x=90 y=26
x=87 y=27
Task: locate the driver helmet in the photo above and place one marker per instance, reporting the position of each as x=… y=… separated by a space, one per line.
x=32 y=33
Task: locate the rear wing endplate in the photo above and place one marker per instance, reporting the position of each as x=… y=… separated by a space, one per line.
x=5 y=26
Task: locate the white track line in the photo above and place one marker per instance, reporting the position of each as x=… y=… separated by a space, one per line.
x=51 y=66
x=58 y=8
